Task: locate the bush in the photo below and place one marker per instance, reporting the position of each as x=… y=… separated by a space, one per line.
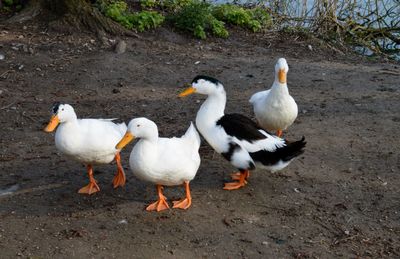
x=253 y=19
x=118 y=11
x=197 y=18
x=146 y=20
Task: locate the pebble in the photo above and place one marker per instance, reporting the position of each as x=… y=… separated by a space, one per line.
x=120 y=47
x=265 y=243
x=2 y=57
x=123 y=221
x=310 y=47
x=24 y=27
x=197 y=62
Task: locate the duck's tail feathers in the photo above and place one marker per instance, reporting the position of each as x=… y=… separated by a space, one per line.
x=285 y=153
x=192 y=135
x=293 y=149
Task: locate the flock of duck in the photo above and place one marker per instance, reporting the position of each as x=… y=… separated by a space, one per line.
x=175 y=161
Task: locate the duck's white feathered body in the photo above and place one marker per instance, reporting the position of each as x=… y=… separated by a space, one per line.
x=274 y=109
x=90 y=141
x=166 y=161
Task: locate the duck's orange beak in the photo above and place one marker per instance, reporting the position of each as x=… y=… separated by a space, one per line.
x=53 y=123
x=188 y=91
x=282 y=76
x=128 y=137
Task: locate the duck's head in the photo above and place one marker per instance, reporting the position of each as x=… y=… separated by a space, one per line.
x=138 y=128
x=281 y=70
x=61 y=112
x=202 y=85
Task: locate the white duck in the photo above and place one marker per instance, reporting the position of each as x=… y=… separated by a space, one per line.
x=90 y=141
x=163 y=161
x=236 y=137
x=275 y=109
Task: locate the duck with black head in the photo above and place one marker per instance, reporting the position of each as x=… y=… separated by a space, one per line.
x=237 y=138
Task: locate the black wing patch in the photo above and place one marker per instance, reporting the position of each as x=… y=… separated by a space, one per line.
x=241 y=127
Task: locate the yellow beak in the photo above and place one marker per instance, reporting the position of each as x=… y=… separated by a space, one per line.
x=128 y=137
x=282 y=76
x=188 y=91
x=53 y=123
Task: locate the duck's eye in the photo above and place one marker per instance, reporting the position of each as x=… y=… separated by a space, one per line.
x=62 y=109
x=138 y=125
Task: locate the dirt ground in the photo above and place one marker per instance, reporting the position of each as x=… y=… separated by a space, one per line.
x=340 y=199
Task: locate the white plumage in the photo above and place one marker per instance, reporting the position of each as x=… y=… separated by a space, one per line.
x=90 y=141
x=275 y=109
x=162 y=161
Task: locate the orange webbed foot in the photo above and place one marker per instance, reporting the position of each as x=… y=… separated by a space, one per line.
x=161 y=204
x=158 y=205
x=119 y=179
x=234 y=185
x=186 y=202
x=242 y=181
x=91 y=188
x=182 y=204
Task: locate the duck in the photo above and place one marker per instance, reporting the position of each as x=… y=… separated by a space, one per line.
x=236 y=137
x=89 y=141
x=275 y=109
x=163 y=161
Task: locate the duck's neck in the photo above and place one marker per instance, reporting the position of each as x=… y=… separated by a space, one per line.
x=71 y=122
x=279 y=88
x=211 y=110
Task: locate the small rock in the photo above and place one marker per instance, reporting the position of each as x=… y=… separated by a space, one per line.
x=1 y=92
x=31 y=51
x=24 y=27
x=123 y=221
x=38 y=69
x=296 y=190
x=20 y=36
x=25 y=48
x=2 y=57
x=115 y=91
x=384 y=183
x=92 y=41
x=265 y=243
x=197 y=62
x=310 y=47
x=20 y=67
x=153 y=90
x=304 y=111
x=347 y=232
x=120 y=47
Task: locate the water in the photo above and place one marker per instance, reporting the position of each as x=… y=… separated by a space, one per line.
x=374 y=14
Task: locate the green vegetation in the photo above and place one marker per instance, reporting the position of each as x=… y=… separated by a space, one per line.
x=254 y=19
x=11 y=5
x=118 y=11
x=195 y=16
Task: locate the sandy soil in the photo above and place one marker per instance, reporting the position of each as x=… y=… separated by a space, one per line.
x=340 y=199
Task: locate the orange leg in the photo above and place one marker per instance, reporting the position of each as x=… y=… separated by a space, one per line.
x=236 y=185
x=161 y=204
x=119 y=178
x=279 y=133
x=92 y=187
x=186 y=202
